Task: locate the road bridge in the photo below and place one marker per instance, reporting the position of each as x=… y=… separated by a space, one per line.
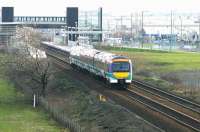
x=70 y=20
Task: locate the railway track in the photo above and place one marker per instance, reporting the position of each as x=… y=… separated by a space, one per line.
x=169 y=96
x=179 y=110
x=168 y=111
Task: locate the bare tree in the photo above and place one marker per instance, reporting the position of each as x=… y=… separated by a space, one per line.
x=28 y=59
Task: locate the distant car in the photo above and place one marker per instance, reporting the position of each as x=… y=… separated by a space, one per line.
x=187 y=47
x=156 y=41
x=165 y=41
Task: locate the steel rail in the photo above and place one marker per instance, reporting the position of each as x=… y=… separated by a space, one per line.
x=182 y=118
x=171 y=97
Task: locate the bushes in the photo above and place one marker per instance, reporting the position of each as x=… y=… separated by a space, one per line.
x=62 y=85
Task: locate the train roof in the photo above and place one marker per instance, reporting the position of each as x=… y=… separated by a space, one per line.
x=59 y=47
x=102 y=56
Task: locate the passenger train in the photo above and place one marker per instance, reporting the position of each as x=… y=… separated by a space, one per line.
x=114 y=68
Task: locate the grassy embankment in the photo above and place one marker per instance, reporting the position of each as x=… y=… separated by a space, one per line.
x=18 y=116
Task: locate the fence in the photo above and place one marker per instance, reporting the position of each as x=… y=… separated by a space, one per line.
x=61 y=117
x=58 y=116
x=190 y=81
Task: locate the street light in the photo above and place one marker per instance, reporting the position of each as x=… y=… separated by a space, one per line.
x=181 y=27
x=142 y=28
x=198 y=21
x=172 y=24
x=143 y=31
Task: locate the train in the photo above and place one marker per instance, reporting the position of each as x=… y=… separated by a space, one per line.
x=115 y=69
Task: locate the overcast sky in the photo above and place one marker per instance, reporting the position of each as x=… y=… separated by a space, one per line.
x=114 y=7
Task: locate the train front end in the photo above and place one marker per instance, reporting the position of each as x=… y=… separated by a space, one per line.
x=120 y=71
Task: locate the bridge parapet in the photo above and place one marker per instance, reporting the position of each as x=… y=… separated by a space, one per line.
x=40 y=19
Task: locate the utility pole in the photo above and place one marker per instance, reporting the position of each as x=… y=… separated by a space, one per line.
x=122 y=30
x=171 y=31
x=198 y=21
x=76 y=30
x=181 y=28
x=121 y=22
x=132 y=27
x=86 y=19
x=199 y=28
x=142 y=28
x=136 y=24
x=116 y=29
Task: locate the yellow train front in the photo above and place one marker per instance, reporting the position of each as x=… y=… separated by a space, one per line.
x=119 y=71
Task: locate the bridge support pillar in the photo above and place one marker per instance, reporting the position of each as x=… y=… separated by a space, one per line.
x=72 y=22
x=6 y=30
x=7 y=14
x=100 y=23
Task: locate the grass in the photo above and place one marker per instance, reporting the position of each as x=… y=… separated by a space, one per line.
x=6 y=89
x=18 y=116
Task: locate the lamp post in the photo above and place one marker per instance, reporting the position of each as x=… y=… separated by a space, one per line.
x=181 y=20
x=64 y=35
x=172 y=24
x=131 y=28
x=142 y=25
x=198 y=21
x=142 y=28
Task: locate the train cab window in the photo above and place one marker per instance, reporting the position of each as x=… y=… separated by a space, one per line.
x=109 y=67
x=120 y=67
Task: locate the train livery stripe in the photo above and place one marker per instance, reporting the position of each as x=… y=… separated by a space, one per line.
x=120 y=60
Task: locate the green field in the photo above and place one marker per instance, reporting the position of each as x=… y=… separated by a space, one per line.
x=160 y=61
x=16 y=116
